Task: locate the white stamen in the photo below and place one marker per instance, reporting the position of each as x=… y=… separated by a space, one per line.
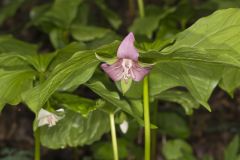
x=127 y=66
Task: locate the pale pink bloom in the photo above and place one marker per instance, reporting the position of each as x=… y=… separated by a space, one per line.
x=127 y=66
x=47 y=118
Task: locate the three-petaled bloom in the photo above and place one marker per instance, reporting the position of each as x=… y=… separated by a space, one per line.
x=47 y=118
x=126 y=67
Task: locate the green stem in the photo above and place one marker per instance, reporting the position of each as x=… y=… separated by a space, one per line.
x=145 y=100
x=147 y=153
x=114 y=136
x=141 y=8
x=146 y=119
x=154 y=132
x=37 y=155
x=37 y=149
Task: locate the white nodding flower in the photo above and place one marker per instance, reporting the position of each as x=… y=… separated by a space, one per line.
x=47 y=118
x=124 y=126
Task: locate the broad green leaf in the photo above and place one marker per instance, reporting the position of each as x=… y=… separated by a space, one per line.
x=181 y=97
x=15 y=154
x=172 y=124
x=137 y=107
x=106 y=59
x=217 y=31
x=40 y=62
x=1 y=106
x=176 y=150
x=184 y=13
x=104 y=151
x=58 y=38
x=8 y=44
x=87 y=33
x=77 y=78
x=82 y=16
x=44 y=61
x=168 y=80
x=154 y=10
x=135 y=91
x=108 y=38
x=79 y=62
x=9 y=8
x=108 y=49
x=153 y=17
x=125 y=85
x=75 y=103
x=152 y=25
x=199 y=55
x=75 y=130
x=199 y=78
x=65 y=53
x=157 y=45
x=60 y=14
x=82 y=63
x=64 y=12
x=14 y=52
x=110 y=15
x=231 y=151
x=8 y=61
x=37 y=13
x=230 y=80
x=220 y=4
x=110 y=96
x=107 y=107
x=225 y=56
x=167 y=29
x=13 y=84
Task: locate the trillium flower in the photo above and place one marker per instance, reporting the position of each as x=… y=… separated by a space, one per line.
x=126 y=66
x=124 y=126
x=47 y=118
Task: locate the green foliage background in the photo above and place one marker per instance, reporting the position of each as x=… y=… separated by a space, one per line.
x=191 y=58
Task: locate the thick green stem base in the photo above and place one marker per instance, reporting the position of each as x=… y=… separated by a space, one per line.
x=146 y=119
x=37 y=153
x=114 y=136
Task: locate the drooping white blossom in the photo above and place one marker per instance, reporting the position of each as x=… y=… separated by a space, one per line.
x=47 y=118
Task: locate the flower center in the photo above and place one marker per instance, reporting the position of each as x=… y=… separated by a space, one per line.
x=127 y=66
x=51 y=120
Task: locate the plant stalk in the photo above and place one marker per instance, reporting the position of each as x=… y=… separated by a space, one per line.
x=154 y=132
x=37 y=149
x=141 y=8
x=114 y=136
x=147 y=152
x=146 y=119
x=37 y=154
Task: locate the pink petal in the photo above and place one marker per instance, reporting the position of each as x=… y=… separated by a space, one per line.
x=139 y=72
x=114 y=71
x=126 y=49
